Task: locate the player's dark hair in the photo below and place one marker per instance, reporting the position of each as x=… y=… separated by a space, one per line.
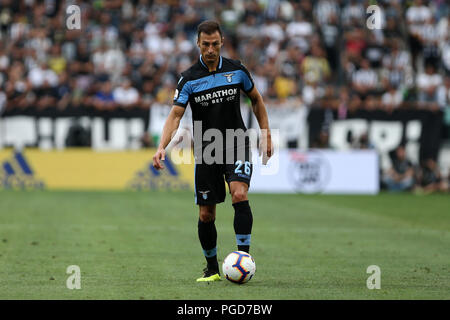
x=208 y=27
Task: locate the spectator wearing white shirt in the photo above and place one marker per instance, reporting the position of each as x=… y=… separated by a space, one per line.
x=353 y=14
x=429 y=37
x=159 y=44
x=299 y=28
x=397 y=68
x=152 y=26
x=427 y=84
x=125 y=95
x=39 y=42
x=40 y=75
x=398 y=57
x=418 y=13
x=300 y=33
x=391 y=99
x=273 y=30
x=115 y=62
x=98 y=59
x=109 y=61
x=324 y=10
x=365 y=79
x=43 y=81
x=105 y=32
x=182 y=44
x=19 y=28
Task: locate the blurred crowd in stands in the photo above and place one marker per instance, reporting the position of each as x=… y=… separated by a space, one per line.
x=131 y=52
x=319 y=54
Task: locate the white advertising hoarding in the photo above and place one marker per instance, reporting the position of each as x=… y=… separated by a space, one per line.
x=317 y=171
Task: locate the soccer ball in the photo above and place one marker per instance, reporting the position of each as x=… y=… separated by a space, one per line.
x=239 y=267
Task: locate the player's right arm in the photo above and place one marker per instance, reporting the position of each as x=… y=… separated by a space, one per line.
x=169 y=130
x=180 y=101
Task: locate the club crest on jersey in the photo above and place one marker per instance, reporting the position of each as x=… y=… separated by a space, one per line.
x=204 y=194
x=229 y=77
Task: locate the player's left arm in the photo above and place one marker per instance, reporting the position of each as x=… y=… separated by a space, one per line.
x=259 y=109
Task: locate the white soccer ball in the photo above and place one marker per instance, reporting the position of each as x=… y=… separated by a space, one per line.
x=239 y=267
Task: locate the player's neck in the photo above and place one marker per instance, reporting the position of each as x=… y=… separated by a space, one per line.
x=212 y=66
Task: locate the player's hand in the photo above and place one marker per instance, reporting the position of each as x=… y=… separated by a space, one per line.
x=159 y=156
x=265 y=146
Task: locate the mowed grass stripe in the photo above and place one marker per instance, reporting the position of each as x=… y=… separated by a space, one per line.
x=144 y=246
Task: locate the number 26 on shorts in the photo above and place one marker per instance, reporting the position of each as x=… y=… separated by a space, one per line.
x=247 y=167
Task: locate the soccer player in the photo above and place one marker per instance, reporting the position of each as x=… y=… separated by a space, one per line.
x=212 y=88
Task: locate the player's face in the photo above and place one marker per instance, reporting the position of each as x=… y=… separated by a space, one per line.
x=210 y=45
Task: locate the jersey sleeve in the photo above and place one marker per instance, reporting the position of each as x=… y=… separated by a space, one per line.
x=247 y=83
x=182 y=92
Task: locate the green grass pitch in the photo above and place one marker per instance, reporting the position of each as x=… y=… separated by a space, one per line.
x=144 y=245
